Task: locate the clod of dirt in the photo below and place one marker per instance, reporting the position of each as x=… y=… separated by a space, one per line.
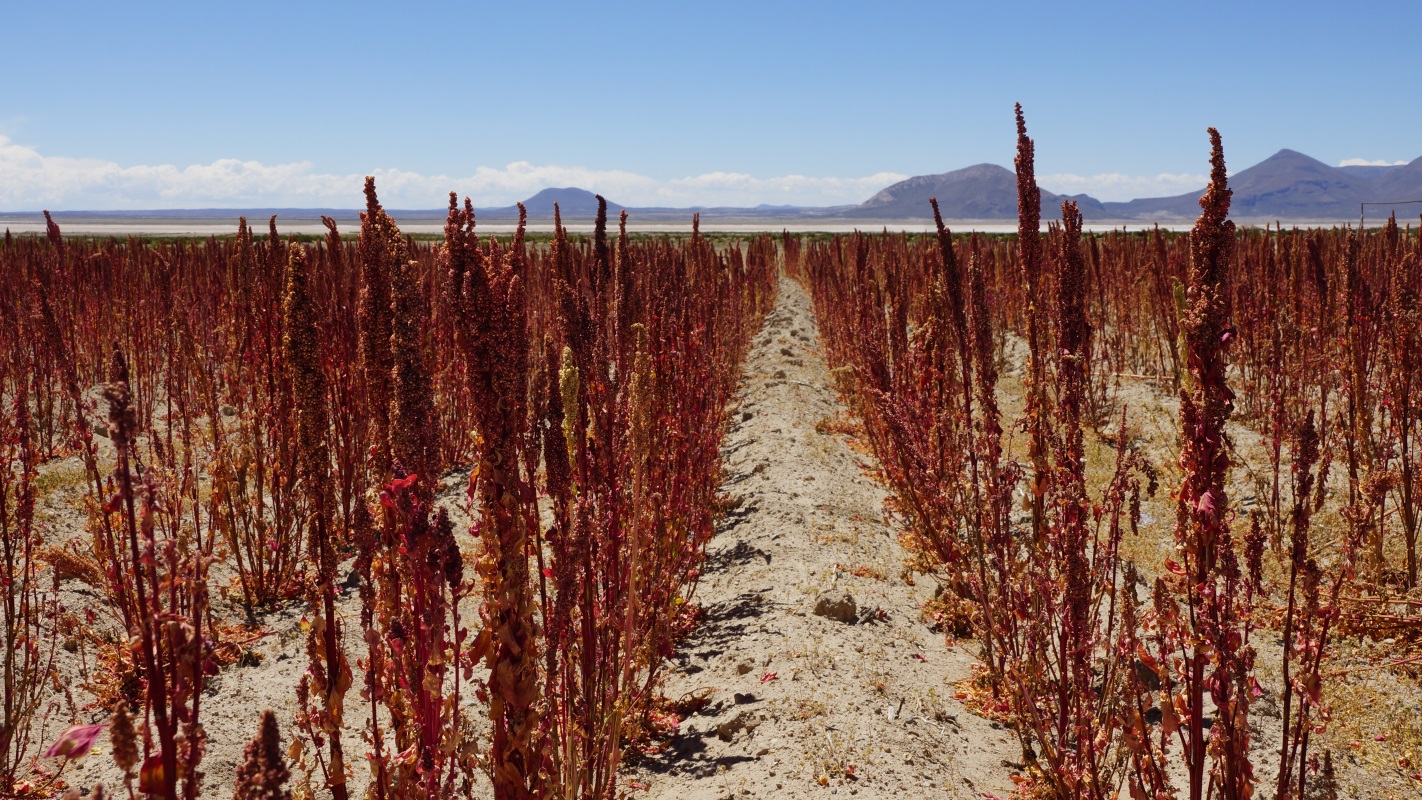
x=785 y=351
x=746 y=416
x=780 y=374
x=228 y=411
x=744 y=721
x=100 y=429
x=837 y=606
x=744 y=667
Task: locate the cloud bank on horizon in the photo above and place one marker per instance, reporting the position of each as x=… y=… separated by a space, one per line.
x=1363 y=162
x=30 y=180
x=1113 y=186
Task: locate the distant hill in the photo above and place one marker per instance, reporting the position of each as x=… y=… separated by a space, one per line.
x=1401 y=183
x=1292 y=186
x=572 y=202
x=1286 y=186
x=982 y=191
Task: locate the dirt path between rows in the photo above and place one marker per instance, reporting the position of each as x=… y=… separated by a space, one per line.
x=800 y=704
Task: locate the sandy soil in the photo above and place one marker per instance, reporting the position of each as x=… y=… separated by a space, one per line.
x=800 y=704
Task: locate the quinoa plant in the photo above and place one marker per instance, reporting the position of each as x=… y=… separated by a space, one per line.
x=322 y=690
x=27 y=663
x=1205 y=618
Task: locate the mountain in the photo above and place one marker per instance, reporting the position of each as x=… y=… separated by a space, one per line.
x=572 y=202
x=982 y=191
x=1286 y=186
x=1401 y=183
x=574 y=205
x=1292 y=186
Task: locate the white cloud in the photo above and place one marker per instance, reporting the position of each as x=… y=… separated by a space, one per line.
x=1363 y=162
x=30 y=180
x=1116 y=187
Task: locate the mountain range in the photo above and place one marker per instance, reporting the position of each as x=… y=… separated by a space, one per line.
x=1288 y=186
x=1292 y=186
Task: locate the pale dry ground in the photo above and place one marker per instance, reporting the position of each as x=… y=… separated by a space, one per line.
x=801 y=705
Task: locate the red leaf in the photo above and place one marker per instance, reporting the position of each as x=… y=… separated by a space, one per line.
x=74 y=742
x=150 y=776
x=1207 y=504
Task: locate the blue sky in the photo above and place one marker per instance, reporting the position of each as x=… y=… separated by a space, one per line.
x=168 y=105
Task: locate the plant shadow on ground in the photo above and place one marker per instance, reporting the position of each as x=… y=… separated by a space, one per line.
x=742 y=553
x=685 y=753
x=723 y=623
x=731 y=518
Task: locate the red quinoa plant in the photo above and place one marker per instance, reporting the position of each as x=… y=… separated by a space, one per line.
x=263 y=773
x=412 y=582
x=1203 y=635
x=418 y=662
x=1069 y=677
x=27 y=610
x=381 y=251
x=169 y=582
x=1029 y=247
x=321 y=693
x=1312 y=609
x=488 y=294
